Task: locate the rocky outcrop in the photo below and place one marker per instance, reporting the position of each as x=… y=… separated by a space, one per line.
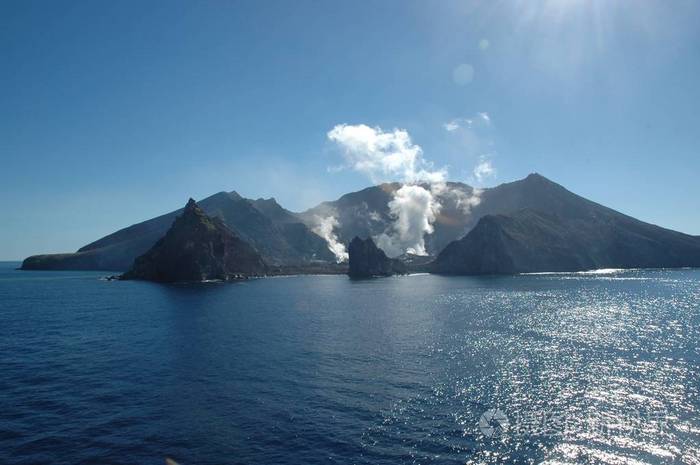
x=197 y=248
x=367 y=260
x=530 y=241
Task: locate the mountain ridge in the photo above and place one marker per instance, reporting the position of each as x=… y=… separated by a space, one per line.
x=289 y=239
x=197 y=247
x=583 y=236
x=280 y=243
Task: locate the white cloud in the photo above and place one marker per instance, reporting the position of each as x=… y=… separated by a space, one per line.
x=474 y=138
x=458 y=123
x=384 y=156
x=452 y=125
x=481 y=120
x=484 y=170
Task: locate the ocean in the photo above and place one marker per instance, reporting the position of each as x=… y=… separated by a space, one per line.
x=561 y=368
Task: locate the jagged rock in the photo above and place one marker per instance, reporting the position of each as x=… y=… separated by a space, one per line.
x=367 y=260
x=197 y=248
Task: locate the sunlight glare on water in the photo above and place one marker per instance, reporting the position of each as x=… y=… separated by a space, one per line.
x=584 y=368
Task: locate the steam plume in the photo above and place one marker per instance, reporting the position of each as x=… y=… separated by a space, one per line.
x=414 y=208
x=392 y=155
x=384 y=156
x=324 y=227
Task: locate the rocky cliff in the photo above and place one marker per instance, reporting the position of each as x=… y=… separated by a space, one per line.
x=367 y=260
x=196 y=248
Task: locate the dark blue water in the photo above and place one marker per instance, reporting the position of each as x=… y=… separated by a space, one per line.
x=587 y=368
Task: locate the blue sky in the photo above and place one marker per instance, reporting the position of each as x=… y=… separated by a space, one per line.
x=114 y=112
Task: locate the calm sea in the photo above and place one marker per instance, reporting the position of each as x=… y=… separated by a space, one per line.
x=553 y=368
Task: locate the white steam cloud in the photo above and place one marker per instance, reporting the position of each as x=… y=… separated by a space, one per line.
x=484 y=170
x=415 y=209
x=384 y=156
x=324 y=227
x=392 y=155
x=462 y=199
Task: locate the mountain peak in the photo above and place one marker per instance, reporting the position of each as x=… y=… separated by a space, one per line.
x=197 y=247
x=271 y=201
x=193 y=210
x=536 y=177
x=537 y=181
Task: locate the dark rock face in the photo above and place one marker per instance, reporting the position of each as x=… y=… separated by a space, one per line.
x=278 y=237
x=367 y=260
x=196 y=248
x=530 y=241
